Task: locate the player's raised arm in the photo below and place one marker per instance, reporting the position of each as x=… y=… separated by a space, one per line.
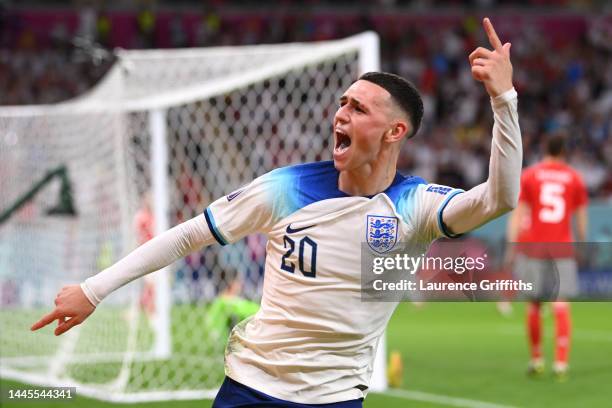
x=499 y=194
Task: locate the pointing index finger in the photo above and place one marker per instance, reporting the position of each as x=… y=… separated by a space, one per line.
x=493 y=38
x=45 y=320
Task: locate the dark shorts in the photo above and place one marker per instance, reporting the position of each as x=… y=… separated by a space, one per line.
x=232 y=394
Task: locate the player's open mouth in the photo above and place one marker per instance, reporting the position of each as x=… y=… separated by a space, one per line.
x=343 y=141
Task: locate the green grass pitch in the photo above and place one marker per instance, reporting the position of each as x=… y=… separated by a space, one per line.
x=466 y=354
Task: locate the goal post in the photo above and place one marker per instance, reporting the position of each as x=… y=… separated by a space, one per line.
x=178 y=128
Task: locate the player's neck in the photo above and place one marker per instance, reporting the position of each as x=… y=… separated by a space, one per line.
x=367 y=180
x=553 y=159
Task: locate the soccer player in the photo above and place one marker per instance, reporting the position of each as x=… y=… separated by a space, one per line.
x=551 y=193
x=313 y=340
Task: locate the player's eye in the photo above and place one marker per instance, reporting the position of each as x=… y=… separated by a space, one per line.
x=358 y=109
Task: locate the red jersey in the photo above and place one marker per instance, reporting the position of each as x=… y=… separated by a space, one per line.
x=553 y=190
x=144 y=223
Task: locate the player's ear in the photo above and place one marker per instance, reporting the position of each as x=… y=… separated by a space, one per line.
x=396 y=132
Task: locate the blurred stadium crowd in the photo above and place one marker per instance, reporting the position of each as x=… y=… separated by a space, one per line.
x=562 y=62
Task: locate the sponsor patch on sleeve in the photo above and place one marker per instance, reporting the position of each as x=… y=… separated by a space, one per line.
x=439 y=189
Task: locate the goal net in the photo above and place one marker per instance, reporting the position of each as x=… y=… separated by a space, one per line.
x=161 y=136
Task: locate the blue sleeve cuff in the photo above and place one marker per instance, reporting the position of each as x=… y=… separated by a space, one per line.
x=441 y=225
x=210 y=221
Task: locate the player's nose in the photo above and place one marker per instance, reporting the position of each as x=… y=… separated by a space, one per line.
x=342 y=115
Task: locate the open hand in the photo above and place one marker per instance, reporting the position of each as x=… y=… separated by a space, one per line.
x=492 y=68
x=71 y=308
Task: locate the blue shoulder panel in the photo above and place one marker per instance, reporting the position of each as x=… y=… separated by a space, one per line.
x=402 y=195
x=297 y=186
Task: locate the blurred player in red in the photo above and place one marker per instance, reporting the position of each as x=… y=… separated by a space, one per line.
x=144 y=224
x=551 y=193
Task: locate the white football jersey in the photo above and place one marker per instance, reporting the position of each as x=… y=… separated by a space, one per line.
x=314 y=340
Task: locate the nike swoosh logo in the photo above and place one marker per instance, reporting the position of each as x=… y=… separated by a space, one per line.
x=291 y=230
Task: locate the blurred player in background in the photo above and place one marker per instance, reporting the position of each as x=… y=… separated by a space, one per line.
x=226 y=311
x=144 y=225
x=313 y=341
x=551 y=193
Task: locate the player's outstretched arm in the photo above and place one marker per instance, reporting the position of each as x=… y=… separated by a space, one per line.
x=74 y=303
x=499 y=194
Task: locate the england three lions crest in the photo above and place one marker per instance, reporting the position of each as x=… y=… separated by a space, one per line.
x=381 y=233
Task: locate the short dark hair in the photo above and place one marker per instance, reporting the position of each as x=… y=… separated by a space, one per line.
x=556 y=145
x=403 y=93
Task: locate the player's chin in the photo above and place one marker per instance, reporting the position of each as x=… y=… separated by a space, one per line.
x=340 y=161
x=341 y=157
